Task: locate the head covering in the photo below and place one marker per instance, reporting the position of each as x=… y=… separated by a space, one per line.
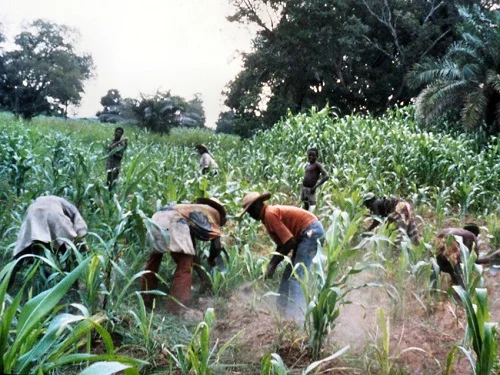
x=250 y=199
x=217 y=204
x=368 y=197
x=473 y=228
x=202 y=147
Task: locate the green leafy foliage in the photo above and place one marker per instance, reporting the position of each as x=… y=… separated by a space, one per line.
x=42 y=341
x=467 y=78
x=351 y=54
x=198 y=357
x=44 y=74
x=387 y=155
x=330 y=286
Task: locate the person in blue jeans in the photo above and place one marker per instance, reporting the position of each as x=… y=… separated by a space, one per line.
x=293 y=230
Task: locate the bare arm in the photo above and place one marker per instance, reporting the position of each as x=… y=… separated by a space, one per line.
x=324 y=177
x=290 y=245
x=373 y=225
x=215 y=250
x=122 y=142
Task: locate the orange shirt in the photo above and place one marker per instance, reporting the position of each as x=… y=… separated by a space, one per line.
x=286 y=222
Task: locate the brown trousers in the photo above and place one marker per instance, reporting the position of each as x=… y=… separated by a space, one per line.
x=180 y=290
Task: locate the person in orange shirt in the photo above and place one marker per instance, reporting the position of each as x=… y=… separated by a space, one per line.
x=293 y=230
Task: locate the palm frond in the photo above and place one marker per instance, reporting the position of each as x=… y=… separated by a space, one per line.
x=474 y=109
x=439 y=97
x=430 y=71
x=493 y=79
x=473 y=40
x=472 y=72
x=464 y=50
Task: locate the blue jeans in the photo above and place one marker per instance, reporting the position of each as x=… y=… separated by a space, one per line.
x=291 y=301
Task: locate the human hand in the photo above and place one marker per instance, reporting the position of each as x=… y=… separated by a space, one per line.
x=211 y=262
x=271 y=268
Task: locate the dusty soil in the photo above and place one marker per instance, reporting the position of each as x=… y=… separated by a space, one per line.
x=420 y=339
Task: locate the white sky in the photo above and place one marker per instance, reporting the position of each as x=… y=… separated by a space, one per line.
x=186 y=46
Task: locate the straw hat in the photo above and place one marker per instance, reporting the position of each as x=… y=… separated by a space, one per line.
x=202 y=147
x=250 y=199
x=217 y=204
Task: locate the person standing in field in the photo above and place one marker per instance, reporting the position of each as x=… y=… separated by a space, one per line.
x=207 y=162
x=175 y=229
x=396 y=211
x=116 y=149
x=48 y=222
x=313 y=171
x=293 y=230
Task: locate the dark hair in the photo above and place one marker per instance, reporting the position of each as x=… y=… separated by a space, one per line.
x=314 y=149
x=473 y=228
x=120 y=128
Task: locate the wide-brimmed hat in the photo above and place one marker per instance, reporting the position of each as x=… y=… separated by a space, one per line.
x=217 y=204
x=368 y=197
x=202 y=147
x=250 y=199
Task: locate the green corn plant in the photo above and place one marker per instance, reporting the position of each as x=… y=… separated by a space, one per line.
x=197 y=357
x=472 y=273
x=383 y=349
x=43 y=342
x=390 y=154
x=385 y=360
x=330 y=286
x=238 y=268
x=480 y=333
x=272 y=364
x=144 y=322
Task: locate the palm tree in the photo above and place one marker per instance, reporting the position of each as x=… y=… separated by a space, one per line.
x=467 y=78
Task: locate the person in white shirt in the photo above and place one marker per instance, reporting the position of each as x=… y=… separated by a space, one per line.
x=49 y=221
x=207 y=162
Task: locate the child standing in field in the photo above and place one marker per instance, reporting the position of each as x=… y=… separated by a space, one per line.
x=313 y=171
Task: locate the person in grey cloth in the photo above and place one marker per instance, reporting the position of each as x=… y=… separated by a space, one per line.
x=48 y=222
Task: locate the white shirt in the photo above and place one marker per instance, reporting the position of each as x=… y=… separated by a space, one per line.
x=49 y=219
x=207 y=161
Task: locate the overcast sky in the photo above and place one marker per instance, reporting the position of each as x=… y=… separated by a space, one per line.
x=186 y=46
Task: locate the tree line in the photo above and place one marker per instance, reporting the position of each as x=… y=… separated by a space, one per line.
x=43 y=74
x=366 y=56
x=354 y=55
x=158 y=112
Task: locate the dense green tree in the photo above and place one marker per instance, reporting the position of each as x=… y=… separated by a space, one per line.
x=112 y=107
x=195 y=113
x=352 y=54
x=467 y=78
x=44 y=74
x=162 y=111
x=225 y=122
x=3 y=72
x=111 y=99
